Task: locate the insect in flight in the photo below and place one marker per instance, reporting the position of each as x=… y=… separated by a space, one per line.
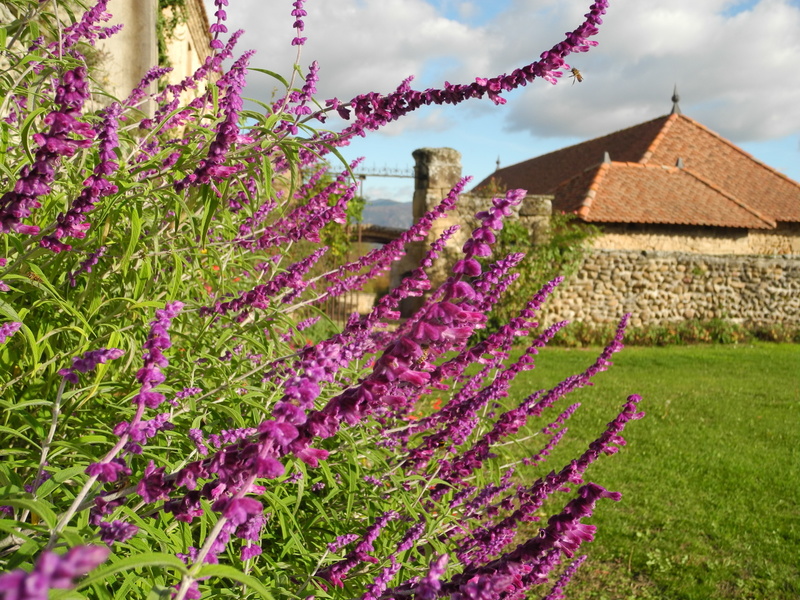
x=576 y=76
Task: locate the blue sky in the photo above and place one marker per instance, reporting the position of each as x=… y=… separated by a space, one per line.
x=735 y=64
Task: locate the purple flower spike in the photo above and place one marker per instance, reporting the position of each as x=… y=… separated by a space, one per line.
x=88 y=361
x=429 y=586
x=108 y=471
x=7 y=330
x=299 y=25
x=73 y=223
x=557 y=593
x=240 y=510
x=117 y=531
x=52 y=571
x=57 y=142
x=150 y=374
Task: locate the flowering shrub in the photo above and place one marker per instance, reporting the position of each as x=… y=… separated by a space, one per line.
x=167 y=431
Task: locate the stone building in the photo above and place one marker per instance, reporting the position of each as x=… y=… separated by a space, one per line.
x=669 y=184
x=693 y=227
x=130 y=53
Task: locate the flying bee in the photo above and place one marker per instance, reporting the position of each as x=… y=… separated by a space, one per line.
x=425 y=353
x=576 y=76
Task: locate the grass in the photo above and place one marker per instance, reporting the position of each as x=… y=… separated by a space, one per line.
x=710 y=477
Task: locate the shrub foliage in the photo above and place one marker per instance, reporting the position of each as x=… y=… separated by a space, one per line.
x=168 y=431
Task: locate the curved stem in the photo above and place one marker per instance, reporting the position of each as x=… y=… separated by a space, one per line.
x=66 y=517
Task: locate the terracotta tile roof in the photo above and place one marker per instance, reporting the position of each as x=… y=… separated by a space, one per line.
x=636 y=193
x=720 y=184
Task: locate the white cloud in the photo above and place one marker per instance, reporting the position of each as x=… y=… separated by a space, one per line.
x=733 y=72
x=361 y=45
x=430 y=120
x=734 y=62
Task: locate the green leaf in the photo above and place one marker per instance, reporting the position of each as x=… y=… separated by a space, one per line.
x=210 y=204
x=15 y=528
x=66 y=306
x=24 y=132
x=58 y=478
x=35 y=506
x=15 y=433
x=138 y=561
x=229 y=572
x=177 y=276
x=144 y=277
x=271 y=74
x=133 y=240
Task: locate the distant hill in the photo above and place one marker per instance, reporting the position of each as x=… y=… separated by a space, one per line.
x=388 y=213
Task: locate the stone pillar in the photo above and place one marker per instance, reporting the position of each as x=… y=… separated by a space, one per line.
x=437 y=171
x=132 y=51
x=534 y=213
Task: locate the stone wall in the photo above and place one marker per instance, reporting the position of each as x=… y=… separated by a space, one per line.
x=660 y=287
x=784 y=239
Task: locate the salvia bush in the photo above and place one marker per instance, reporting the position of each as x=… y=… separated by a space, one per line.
x=168 y=430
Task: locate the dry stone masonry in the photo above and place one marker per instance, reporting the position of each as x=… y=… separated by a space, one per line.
x=662 y=287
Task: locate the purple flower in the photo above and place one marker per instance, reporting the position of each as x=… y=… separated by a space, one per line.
x=150 y=374
x=337 y=572
x=141 y=431
x=342 y=541
x=87 y=28
x=34 y=181
x=86 y=265
x=7 y=330
x=52 y=571
x=373 y=111
x=557 y=592
x=117 y=531
x=240 y=510
x=187 y=392
x=108 y=471
x=88 y=361
x=153 y=486
x=250 y=551
x=212 y=168
x=72 y=223
x=429 y=586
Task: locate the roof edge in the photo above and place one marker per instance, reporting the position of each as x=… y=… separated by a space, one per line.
x=578 y=144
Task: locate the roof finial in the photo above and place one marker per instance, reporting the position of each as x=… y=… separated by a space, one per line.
x=676 y=110
x=497 y=163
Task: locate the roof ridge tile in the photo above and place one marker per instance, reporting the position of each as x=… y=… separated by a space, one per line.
x=648 y=154
x=588 y=199
x=731 y=197
x=744 y=153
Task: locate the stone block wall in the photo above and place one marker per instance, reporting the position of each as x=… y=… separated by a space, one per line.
x=662 y=287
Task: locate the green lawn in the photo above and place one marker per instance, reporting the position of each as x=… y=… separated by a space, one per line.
x=710 y=477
